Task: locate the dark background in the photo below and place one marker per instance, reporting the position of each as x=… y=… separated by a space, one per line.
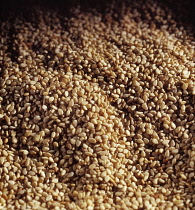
x=184 y=10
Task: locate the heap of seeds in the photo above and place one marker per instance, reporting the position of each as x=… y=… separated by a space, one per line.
x=97 y=111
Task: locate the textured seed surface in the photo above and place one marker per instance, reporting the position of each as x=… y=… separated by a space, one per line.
x=97 y=110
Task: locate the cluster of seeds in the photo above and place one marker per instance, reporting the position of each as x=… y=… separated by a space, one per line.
x=97 y=111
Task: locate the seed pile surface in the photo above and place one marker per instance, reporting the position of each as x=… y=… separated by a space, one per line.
x=97 y=111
